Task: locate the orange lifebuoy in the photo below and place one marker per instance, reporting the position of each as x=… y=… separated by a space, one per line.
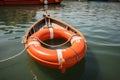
x=59 y=58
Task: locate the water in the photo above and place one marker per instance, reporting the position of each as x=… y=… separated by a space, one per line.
x=98 y=21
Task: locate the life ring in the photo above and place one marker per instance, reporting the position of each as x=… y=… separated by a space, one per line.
x=60 y=58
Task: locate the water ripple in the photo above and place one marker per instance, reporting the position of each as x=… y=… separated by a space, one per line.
x=98 y=21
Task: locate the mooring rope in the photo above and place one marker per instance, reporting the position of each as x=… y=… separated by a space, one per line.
x=12 y=57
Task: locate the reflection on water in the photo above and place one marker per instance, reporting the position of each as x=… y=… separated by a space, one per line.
x=14 y=18
x=98 y=21
x=21 y=14
x=13 y=15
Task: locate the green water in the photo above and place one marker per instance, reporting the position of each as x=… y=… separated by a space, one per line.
x=98 y=21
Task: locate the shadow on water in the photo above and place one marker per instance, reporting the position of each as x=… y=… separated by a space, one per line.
x=91 y=71
x=42 y=72
x=86 y=69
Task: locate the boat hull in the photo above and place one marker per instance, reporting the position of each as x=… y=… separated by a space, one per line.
x=50 y=28
x=28 y=2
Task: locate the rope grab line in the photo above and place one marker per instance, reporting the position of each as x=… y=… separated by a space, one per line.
x=52 y=45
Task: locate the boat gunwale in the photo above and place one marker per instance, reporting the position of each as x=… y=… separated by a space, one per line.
x=53 y=20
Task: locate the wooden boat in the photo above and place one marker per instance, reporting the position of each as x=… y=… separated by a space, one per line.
x=19 y=2
x=49 y=28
